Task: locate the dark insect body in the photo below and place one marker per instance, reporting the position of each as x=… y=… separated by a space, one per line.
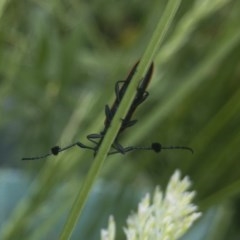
x=120 y=89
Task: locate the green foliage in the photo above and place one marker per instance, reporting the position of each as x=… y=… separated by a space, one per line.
x=58 y=65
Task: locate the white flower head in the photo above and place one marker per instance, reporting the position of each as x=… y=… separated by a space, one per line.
x=109 y=234
x=167 y=216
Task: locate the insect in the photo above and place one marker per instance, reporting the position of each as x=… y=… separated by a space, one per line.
x=120 y=89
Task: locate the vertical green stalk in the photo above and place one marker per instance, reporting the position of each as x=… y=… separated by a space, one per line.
x=156 y=40
x=2 y=7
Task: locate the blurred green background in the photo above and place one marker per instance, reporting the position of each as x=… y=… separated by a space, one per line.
x=59 y=63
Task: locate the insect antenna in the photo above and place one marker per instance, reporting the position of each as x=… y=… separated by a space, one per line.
x=56 y=149
x=155 y=146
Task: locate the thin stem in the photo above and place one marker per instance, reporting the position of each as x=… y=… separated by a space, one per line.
x=112 y=132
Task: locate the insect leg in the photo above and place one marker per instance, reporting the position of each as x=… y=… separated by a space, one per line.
x=119 y=91
x=93 y=136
